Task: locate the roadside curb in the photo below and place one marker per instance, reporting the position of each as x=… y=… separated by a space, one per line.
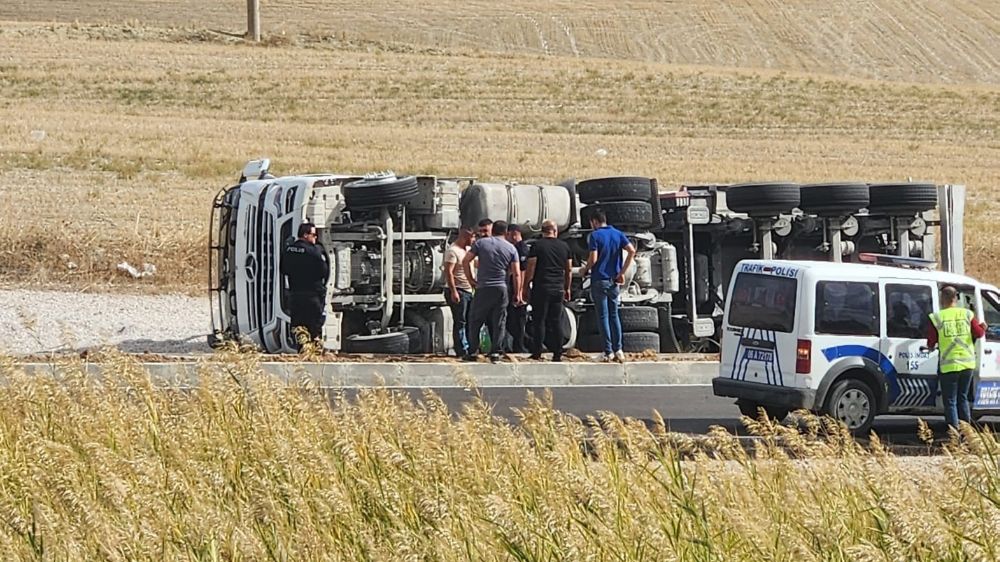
x=436 y=375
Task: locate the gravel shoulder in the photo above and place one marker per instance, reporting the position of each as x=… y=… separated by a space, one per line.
x=33 y=322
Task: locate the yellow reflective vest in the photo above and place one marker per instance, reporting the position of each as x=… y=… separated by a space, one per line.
x=954 y=328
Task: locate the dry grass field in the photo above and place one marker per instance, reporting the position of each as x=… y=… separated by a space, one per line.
x=944 y=41
x=245 y=468
x=119 y=122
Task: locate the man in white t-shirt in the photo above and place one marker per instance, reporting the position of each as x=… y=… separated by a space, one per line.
x=458 y=293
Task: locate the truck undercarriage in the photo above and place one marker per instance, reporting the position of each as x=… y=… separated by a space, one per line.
x=386 y=235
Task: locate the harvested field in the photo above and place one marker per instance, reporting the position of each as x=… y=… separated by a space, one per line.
x=245 y=468
x=937 y=41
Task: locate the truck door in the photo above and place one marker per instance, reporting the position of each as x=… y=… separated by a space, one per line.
x=911 y=373
x=987 y=391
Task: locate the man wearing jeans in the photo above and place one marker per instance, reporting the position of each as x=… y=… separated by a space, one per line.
x=954 y=330
x=459 y=291
x=607 y=272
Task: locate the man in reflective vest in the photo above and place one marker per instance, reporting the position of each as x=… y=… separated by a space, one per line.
x=954 y=330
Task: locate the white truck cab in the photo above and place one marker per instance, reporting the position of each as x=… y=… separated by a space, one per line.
x=845 y=339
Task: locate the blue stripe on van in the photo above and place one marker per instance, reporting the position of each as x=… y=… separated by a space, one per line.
x=874 y=355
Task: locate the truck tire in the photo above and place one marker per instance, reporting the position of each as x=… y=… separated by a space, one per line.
x=415 y=338
x=853 y=403
x=393 y=343
x=654 y=201
x=638 y=342
x=606 y=190
x=625 y=214
x=901 y=198
x=632 y=342
x=763 y=199
x=833 y=199
x=668 y=333
x=634 y=319
x=380 y=192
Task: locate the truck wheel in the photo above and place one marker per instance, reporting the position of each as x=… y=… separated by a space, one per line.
x=833 y=199
x=763 y=199
x=638 y=342
x=607 y=190
x=634 y=319
x=626 y=214
x=852 y=402
x=414 y=338
x=750 y=410
x=669 y=343
x=902 y=198
x=380 y=192
x=393 y=343
x=632 y=342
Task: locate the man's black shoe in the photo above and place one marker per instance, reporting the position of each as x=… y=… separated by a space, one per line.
x=468 y=358
x=557 y=358
x=535 y=357
x=494 y=358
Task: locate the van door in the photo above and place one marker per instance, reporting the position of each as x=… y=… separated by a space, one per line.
x=759 y=344
x=987 y=391
x=911 y=372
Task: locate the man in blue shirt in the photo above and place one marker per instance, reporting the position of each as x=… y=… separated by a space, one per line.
x=607 y=272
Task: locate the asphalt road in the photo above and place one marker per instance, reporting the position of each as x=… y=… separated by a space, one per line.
x=686 y=409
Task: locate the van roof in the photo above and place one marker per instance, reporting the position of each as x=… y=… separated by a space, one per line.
x=854 y=270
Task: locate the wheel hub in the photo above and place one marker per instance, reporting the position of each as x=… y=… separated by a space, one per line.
x=853 y=408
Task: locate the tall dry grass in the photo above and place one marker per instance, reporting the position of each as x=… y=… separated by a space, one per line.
x=243 y=467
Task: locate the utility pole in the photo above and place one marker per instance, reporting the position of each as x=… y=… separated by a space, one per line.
x=253 y=20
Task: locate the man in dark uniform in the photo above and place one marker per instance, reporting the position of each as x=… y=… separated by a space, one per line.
x=517 y=312
x=305 y=264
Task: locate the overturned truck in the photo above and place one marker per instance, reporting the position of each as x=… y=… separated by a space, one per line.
x=385 y=236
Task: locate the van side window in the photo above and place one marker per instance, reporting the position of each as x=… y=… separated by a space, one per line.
x=907 y=309
x=847 y=308
x=991 y=310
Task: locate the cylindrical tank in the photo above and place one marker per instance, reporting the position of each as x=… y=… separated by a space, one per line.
x=525 y=205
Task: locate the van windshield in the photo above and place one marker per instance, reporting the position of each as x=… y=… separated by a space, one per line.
x=765 y=302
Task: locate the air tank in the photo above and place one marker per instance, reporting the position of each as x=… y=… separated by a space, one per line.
x=525 y=205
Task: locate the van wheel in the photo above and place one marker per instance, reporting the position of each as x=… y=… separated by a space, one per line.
x=853 y=403
x=749 y=409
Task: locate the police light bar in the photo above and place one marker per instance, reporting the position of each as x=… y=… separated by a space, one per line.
x=896 y=261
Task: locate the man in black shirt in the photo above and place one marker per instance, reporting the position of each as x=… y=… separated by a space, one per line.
x=305 y=264
x=517 y=313
x=549 y=273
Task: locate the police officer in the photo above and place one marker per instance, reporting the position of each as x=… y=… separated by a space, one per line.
x=954 y=330
x=307 y=269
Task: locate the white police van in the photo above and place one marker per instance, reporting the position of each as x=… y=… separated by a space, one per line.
x=845 y=339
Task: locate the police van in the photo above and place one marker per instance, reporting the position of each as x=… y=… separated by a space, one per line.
x=847 y=339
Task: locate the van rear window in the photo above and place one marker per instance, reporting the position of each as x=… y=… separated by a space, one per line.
x=765 y=302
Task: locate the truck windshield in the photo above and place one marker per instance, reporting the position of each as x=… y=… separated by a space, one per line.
x=765 y=302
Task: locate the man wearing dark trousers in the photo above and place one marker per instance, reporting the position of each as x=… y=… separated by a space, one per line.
x=549 y=271
x=459 y=291
x=497 y=259
x=305 y=265
x=517 y=314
